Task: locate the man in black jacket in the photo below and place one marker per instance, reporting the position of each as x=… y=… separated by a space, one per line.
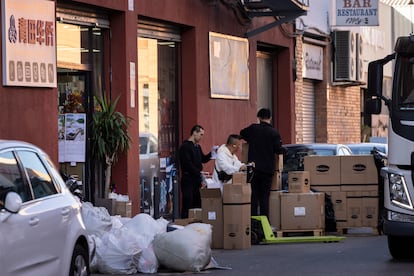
x=191 y=158
x=264 y=143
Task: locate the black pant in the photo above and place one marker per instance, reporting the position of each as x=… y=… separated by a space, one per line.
x=261 y=184
x=190 y=194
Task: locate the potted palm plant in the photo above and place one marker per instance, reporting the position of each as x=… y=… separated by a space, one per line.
x=110 y=136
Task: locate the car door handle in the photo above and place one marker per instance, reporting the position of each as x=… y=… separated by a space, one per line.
x=65 y=211
x=33 y=221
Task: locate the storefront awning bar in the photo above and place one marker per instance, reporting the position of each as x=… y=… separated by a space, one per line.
x=283 y=10
x=270 y=25
x=274 y=7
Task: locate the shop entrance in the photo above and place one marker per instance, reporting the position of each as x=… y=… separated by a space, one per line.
x=74 y=90
x=158 y=108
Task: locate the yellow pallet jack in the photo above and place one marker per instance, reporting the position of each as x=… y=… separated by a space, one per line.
x=262 y=233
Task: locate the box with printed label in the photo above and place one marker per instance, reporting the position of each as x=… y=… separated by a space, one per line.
x=302 y=211
x=359 y=170
x=237 y=225
x=325 y=172
x=212 y=213
x=339 y=204
x=195 y=213
x=298 y=182
x=362 y=209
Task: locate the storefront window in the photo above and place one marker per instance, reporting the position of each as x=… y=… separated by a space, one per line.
x=157 y=82
x=80 y=68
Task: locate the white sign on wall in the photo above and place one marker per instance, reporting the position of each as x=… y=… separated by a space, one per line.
x=313 y=62
x=29 y=43
x=356 y=13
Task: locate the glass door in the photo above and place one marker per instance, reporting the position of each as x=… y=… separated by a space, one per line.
x=157 y=88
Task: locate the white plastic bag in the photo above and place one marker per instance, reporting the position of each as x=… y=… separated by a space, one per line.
x=186 y=249
x=97 y=219
x=117 y=252
x=145 y=228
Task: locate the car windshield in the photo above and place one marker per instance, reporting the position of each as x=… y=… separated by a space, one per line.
x=294 y=158
x=366 y=150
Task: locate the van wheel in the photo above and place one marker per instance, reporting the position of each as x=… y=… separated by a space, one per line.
x=401 y=247
x=79 y=265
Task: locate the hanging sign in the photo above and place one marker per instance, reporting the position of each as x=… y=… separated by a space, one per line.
x=356 y=13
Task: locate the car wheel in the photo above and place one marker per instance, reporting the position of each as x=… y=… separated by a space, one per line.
x=79 y=265
x=400 y=247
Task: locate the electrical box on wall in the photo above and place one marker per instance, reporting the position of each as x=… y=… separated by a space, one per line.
x=345 y=56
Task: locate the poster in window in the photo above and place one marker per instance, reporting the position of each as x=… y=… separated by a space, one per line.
x=72 y=137
x=229 y=70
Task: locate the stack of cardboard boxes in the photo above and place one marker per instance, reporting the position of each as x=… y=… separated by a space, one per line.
x=352 y=183
x=299 y=209
x=229 y=214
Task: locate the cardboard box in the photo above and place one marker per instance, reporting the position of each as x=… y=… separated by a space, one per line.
x=354 y=205
x=237 y=226
x=123 y=208
x=212 y=213
x=298 y=182
x=276 y=181
x=324 y=170
x=195 y=213
x=274 y=209
x=370 y=207
x=302 y=211
x=339 y=204
x=358 y=169
x=237 y=193
x=362 y=209
x=186 y=221
x=239 y=178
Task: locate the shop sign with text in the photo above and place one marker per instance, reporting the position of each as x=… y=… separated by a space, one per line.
x=356 y=13
x=29 y=43
x=313 y=62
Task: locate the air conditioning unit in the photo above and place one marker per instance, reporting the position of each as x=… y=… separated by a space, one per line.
x=344 y=67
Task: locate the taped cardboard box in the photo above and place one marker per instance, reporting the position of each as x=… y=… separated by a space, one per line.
x=212 y=213
x=299 y=182
x=237 y=193
x=325 y=172
x=302 y=211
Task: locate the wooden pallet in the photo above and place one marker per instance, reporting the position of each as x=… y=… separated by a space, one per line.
x=365 y=230
x=299 y=233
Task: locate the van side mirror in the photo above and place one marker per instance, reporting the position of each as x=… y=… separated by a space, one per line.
x=373 y=106
x=375 y=76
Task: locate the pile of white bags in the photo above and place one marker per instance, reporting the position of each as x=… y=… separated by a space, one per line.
x=142 y=244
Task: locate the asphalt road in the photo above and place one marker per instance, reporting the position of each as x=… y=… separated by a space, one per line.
x=357 y=254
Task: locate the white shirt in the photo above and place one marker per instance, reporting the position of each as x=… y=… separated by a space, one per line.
x=225 y=161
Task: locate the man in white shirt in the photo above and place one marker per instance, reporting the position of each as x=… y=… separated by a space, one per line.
x=227 y=159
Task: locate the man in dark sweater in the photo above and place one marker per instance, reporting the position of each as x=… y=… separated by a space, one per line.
x=264 y=143
x=191 y=158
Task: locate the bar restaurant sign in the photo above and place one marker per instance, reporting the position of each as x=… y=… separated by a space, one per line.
x=29 y=43
x=356 y=13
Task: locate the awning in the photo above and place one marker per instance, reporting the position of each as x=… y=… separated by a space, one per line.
x=283 y=11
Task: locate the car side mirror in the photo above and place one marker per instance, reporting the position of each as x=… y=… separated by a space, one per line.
x=12 y=202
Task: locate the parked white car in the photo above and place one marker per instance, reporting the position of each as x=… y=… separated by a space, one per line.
x=41 y=227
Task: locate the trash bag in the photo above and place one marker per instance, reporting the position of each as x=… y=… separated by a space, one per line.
x=186 y=249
